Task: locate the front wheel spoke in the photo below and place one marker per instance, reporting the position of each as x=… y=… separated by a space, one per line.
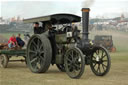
x=97 y=52
x=103 y=56
x=94 y=57
x=98 y=68
x=94 y=65
x=102 y=53
x=94 y=61
x=104 y=65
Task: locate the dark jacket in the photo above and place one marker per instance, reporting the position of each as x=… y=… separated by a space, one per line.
x=38 y=30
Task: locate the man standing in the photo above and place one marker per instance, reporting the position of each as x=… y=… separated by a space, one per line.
x=37 y=29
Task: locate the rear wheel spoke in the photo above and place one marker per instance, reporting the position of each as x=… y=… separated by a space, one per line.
x=33 y=60
x=42 y=59
x=41 y=46
x=38 y=43
x=42 y=52
x=34 y=43
x=31 y=51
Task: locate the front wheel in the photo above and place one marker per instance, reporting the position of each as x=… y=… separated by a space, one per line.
x=100 y=61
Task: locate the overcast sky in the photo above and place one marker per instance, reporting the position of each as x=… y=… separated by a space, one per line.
x=34 y=8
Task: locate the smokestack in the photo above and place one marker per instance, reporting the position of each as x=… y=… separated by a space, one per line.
x=85 y=22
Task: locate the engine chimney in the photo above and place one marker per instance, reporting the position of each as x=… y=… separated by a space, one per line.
x=85 y=23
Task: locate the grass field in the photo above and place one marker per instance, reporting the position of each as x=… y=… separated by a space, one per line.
x=18 y=73
x=8 y=35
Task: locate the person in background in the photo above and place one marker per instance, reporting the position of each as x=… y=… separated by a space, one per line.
x=20 y=41
x=12 y=43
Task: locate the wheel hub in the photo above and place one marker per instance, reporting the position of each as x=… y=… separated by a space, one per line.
x=97 y=58
x=38 y=53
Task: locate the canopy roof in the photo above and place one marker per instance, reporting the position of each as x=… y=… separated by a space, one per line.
x=55 y=19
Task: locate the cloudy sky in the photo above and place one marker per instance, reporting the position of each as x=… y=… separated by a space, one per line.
x=34 y=8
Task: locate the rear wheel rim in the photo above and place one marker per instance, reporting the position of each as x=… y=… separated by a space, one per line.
x=36 y=54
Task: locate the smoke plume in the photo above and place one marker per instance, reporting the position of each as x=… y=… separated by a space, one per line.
x=87 y=3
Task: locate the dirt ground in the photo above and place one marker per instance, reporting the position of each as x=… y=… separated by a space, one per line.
x=19 y=74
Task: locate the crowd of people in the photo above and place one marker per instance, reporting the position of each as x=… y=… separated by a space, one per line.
x=15 y=42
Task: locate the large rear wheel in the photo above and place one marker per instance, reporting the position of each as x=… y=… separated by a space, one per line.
x=100 y=61
x=39 y=53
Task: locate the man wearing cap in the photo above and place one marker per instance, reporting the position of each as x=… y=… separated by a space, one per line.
x=37 y=29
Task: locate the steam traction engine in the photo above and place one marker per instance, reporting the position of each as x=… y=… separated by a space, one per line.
x=62 y=46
